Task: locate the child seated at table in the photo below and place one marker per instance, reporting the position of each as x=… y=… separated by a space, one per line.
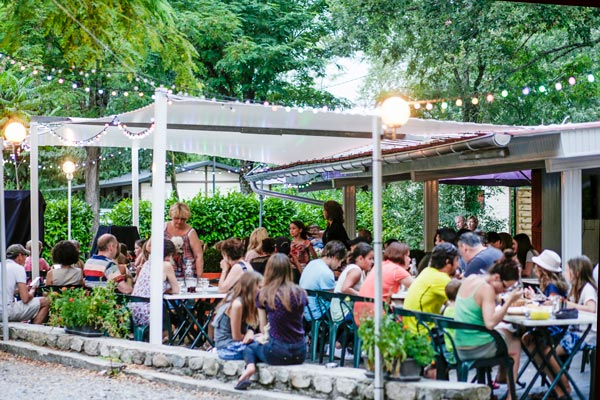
x=583 y=296
x=236 y=317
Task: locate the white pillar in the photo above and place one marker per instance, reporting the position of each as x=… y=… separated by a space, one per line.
x=135 y=183
x=350 y=210
x=69 y=205
x=571 y=215
x=431 y=203
x=34 y=198
x=3 y=243
x=378 y=250
x=158 y=212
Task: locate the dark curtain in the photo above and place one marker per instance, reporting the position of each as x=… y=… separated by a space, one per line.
x=18 y=216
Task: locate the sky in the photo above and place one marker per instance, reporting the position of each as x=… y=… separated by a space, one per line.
x=347 y=82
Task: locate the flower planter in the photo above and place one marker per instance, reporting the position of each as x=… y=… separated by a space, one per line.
x=410 y=371
x=86 y=331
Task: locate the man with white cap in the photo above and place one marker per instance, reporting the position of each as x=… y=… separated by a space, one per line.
x=29 y=307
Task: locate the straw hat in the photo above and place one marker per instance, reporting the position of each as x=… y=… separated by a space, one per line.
x=548 y=260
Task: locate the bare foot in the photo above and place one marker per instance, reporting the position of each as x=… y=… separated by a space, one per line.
x=248 y=372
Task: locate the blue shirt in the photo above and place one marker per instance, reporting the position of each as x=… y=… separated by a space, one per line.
x=483 y=261
x=316 y=276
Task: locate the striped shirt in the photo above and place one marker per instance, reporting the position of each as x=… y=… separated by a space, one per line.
x=96 y=267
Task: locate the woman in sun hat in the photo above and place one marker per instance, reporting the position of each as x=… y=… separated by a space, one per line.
x=553 y=284
x=548 y=268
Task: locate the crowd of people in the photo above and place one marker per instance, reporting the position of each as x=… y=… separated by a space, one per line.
x=470 y=275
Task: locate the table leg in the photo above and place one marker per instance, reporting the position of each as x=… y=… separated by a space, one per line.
x=564 y=366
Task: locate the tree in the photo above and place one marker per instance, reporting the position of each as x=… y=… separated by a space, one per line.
x=468 y=48
x=127 y=36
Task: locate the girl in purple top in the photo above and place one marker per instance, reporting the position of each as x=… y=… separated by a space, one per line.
x=280 y=305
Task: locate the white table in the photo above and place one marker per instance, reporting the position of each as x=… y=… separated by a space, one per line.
x=584 y=318
x=398 y=298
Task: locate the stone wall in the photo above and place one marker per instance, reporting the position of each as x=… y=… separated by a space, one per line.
x=311 y=380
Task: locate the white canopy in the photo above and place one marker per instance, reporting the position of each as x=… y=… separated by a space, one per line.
x=265 y=133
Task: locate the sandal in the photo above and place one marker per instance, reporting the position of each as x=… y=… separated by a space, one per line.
x=243 y=385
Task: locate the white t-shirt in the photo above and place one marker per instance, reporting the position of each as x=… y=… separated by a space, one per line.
x=15 y=273
x=595 y=273
x=337 y=313
x=589 y=293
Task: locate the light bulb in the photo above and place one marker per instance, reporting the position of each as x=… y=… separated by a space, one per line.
x=395 y=111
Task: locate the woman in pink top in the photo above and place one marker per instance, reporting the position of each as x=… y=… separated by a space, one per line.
x=394 y=273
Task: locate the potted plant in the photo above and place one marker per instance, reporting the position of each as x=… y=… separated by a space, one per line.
x=89 y=312
x=400 y=347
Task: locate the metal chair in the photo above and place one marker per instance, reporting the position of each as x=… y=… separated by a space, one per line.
x=481 y=365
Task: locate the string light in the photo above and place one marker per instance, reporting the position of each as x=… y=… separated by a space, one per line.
x=53 y=74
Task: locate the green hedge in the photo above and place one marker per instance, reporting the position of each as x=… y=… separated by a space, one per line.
x=236 y=215
x=56 y=224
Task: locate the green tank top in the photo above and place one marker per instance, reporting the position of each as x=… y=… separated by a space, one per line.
x=467 y=310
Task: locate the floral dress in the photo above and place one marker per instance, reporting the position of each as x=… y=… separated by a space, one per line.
x=301 y=251
x=141 y=311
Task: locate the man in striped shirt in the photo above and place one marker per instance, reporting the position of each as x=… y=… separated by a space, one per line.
x=101 y=267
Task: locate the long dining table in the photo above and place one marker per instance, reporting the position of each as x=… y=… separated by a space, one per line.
x=192 y=313
x=531 y=325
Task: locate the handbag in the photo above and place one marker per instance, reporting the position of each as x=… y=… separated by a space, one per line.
x=567 y=313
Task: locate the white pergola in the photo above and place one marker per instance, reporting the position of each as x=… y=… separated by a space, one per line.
x=273 y=135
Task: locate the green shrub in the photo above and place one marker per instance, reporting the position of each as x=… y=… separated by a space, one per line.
x=122 y=214
x=56 y=224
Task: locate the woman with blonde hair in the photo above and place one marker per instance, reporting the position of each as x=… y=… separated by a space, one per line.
x=236 y=318
x=192 y=245
x=255 y=243
x=280 y=304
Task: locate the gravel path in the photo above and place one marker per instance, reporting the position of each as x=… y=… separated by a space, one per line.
x=23 y=378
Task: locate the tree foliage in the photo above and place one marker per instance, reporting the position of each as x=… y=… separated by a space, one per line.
x=468 y=48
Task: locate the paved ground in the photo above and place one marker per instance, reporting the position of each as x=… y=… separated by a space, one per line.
x=27 y=379
x=582 y=380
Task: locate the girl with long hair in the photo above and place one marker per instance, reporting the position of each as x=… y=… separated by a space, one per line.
x=360 y=261
x=301 y=251
x=236 y=317
x=334 y=215
x=255 y=243
x=525 y=253
x=280 y=305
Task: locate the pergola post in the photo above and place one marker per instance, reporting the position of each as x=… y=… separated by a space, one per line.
x=431 y=200
x=571 y=215
x=158 y=215
x=350 y=210
x=135 y=183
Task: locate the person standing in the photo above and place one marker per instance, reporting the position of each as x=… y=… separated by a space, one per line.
x=334 y=215
x=29 y=307
x=460 y=222
x=192 y=245
x=301 y=251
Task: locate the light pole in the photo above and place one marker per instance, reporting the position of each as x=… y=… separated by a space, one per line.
x=68 y=168
x=394 y=113
x=15 y=132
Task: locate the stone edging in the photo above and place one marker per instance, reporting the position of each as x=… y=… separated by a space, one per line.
x=315 y=381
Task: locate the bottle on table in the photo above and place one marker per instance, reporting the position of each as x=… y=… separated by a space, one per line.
x=190 y=279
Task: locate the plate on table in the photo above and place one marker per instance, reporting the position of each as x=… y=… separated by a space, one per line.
x=516 y=310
